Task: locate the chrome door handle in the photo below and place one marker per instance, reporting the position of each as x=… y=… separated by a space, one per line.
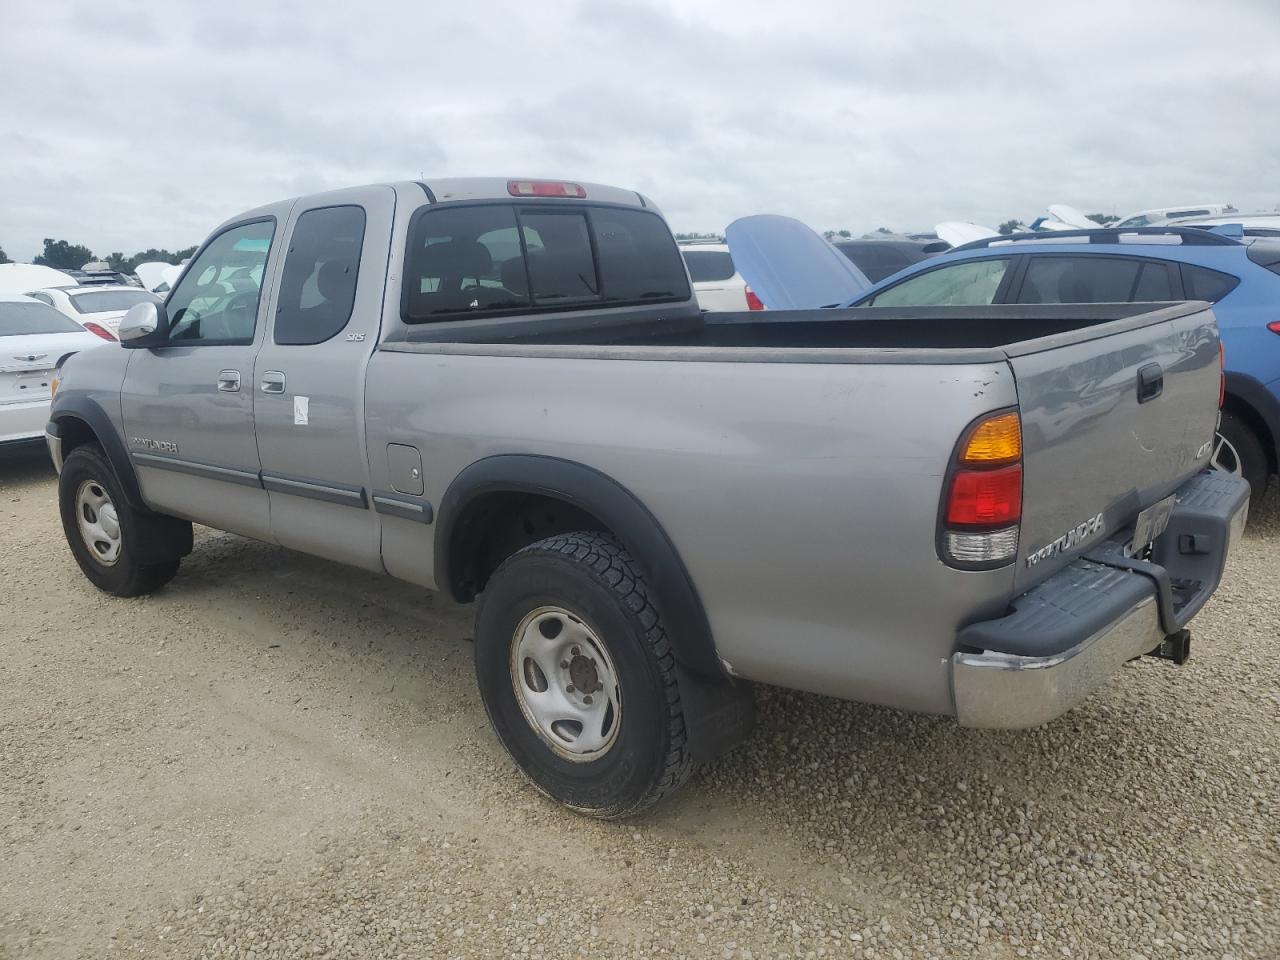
x=229 y=381
x=272 y=381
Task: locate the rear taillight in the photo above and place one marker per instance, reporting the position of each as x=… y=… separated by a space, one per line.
x=98 y=330
x=1274 y=326
x=545 y=188
x=982 y=508
x=753 y=302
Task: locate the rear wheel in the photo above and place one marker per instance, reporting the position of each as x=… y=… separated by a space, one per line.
x=578 y=677
x=1237 y=450
x=124 y=551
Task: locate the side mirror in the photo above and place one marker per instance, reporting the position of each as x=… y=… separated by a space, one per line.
x=145 y=325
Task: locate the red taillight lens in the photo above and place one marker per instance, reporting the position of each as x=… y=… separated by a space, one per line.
x=988 y=498
x=99 y=331
x=1274 y=326
x=545 y=188
x=753 y=302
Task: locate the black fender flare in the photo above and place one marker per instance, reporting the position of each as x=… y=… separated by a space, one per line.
x=1262 y=402
x=619 y=510
x=90 y=412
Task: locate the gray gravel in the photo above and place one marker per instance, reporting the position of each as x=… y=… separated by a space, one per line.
x=279 y=757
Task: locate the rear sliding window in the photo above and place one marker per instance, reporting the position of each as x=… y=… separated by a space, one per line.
x=508 y=258
x=709 y=266
x=18 y=318
x=1201 y=283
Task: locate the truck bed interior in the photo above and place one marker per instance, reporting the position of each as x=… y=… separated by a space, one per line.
x=951 y=327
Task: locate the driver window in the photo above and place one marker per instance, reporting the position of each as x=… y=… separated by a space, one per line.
x=216 y=301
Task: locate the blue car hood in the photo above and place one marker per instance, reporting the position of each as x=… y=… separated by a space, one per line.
x=789 y=266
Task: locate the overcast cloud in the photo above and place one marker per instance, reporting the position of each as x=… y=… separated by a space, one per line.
x=124 y=126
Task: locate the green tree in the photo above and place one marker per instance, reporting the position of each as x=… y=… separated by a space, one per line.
x=1010 y=226
x=63 y=255
x=1102 y=219
x=4 y=258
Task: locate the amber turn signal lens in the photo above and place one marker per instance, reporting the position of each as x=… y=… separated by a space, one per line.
x=995 y=440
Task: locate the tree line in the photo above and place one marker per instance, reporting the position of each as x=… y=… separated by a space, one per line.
x=64 y=255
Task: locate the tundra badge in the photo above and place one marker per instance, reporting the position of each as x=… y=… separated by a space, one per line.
x=1072 y=538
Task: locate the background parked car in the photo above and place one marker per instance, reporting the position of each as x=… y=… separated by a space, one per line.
x=98 y=307
x=1160 y=215
x=716 y=280
x=34 y=340
x=882 y=258
x=1253 y=224
x=1240 y=277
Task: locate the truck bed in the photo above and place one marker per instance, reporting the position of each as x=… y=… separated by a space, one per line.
x=977 y=332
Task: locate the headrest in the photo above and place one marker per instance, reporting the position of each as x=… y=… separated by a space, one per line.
x=457 y=258
x=332 y=279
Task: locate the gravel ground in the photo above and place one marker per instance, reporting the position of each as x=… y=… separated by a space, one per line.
x=279 y=757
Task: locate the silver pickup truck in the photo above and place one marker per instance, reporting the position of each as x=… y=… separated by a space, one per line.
x=505 y=390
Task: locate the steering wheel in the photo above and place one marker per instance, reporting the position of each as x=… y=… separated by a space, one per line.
x=239 y=312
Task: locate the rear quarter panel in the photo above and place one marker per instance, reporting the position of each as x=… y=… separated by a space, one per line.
x=802 y=498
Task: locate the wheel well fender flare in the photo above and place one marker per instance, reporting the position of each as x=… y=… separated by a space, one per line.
x=617 y=508
x=70 y=410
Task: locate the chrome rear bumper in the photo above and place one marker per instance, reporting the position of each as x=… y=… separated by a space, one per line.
x=1068 y=635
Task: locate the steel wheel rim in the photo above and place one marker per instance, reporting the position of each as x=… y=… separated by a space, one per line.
x=98 y=522
x=554 y=655
x=1224 y=456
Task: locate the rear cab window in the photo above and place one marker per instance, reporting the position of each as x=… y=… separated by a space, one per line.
x=487 y=259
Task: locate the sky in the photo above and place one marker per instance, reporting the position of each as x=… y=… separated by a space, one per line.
x=130 y=125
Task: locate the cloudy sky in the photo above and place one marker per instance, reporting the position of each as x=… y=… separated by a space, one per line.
x=124 y=126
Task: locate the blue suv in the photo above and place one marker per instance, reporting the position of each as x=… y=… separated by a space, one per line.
x=1239 y=275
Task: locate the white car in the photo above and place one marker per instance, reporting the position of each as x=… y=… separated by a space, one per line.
x=98 y=307
x=716 y=281
x=1163 y=215
x=1253 y=224
x=34 y=340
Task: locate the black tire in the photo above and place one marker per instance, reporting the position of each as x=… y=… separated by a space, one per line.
x=1249 y=453
x=593 y=578
x=143 y=535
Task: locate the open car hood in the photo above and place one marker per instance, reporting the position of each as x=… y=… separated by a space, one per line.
x=959 y=232
x=789 y=266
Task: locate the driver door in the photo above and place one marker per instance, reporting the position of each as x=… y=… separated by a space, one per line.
x=187 y=406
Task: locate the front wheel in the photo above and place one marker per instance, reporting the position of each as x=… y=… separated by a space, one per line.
x=1237 y=449
x=124 y=551
x=578 y=677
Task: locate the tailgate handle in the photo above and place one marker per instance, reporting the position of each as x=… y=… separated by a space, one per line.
x=1150 y=382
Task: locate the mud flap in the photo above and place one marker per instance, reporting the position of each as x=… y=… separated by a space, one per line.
x=718 y=714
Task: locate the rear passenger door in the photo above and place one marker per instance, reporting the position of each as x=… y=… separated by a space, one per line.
x=308 y=382
x=1094 y=279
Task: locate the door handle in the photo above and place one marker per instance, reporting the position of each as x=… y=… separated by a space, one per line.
x=1150 y=382
x=272 y=381
x=229 y=381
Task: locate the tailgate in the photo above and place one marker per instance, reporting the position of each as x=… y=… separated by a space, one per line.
x=1114 y=418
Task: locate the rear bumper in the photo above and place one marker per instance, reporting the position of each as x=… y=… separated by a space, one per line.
x=1068 y=635
x=23 y=421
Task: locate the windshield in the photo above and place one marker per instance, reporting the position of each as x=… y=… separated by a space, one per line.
x=19 y=318
x=102 y=301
